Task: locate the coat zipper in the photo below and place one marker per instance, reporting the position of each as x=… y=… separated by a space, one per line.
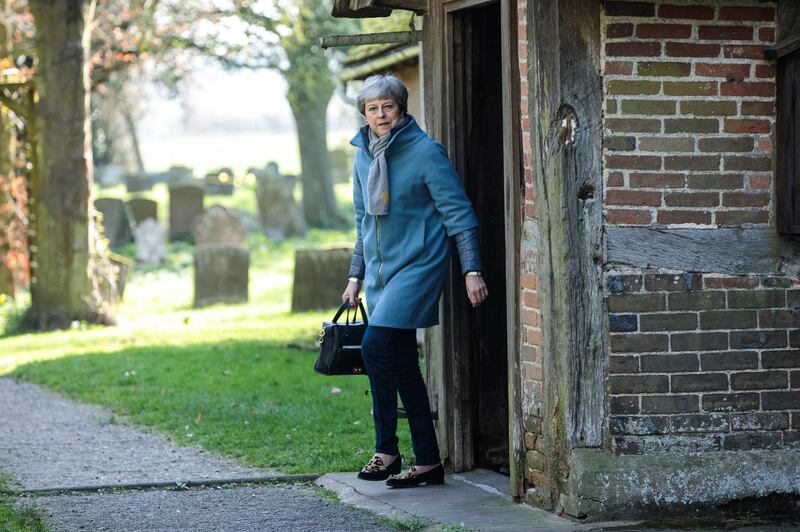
x=380 y=256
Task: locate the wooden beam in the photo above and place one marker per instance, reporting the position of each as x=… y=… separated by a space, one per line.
x=389 y=37
x=783 y=48
x=342 y=9
x=730 y=251
x=788 y=20
x=417 y=6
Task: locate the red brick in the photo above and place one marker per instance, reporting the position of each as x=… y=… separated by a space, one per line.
x=528 y=280
x=766 y=35
x=664 y=69
x=618 y=68
x=633 y=198
x=758 y=108
x=633 y=162
x=656 y=180
x=739 y=281
x=532 y=336
x=747 y=125
x=628 y=217
x=691 y=199
x=734 y=218
x=745 y=199
x=530 y=211
x=765 y=71
x=764 y=145
x=684 y=217
x=630 y=9
x=760 y=182
x=639 y=49
x=615 y=31
x=659 y=31
x=688 y=49
x=691 y=88
x=530 y=298
x=722 y=70
x=530 y=317
x=747 y=13
x=686 y=12
x=741 y=51
x=743 y=88
x=615 y=179
x=725 y=33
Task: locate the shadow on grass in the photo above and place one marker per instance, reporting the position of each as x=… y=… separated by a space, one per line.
x=256 y=401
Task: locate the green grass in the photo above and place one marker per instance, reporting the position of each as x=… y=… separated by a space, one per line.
x=18 y=519
x=236 y=379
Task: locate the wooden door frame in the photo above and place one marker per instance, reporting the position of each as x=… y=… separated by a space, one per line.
x=448 y=367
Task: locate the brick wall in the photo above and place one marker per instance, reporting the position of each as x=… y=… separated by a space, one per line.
x=689 y=112
x=703 y=362
x=531 y=332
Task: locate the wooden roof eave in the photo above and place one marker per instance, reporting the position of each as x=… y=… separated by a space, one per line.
x=783 y=48
x=375 y=8
x=377 y=64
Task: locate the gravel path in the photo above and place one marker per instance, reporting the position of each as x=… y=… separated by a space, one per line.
x=287 y=507
x=47 y=441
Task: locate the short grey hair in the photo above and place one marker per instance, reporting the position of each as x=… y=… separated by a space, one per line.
x=382 y=87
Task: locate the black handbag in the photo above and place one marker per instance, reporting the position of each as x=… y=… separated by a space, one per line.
x=340 y=344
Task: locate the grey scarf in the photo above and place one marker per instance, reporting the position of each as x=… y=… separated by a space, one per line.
x=378 y=179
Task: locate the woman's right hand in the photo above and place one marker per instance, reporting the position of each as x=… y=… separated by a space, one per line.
x=350 y=293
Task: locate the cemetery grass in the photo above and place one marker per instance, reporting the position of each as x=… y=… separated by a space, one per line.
x=234 y=379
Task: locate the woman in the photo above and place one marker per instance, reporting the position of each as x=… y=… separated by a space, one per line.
x=408 y=200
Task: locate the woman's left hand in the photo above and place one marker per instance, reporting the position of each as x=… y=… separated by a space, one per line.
x=476 y=289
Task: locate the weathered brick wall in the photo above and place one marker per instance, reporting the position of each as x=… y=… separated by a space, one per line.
x=689 y=112
x=530 y=315
x=698 y=362
x=703 y=362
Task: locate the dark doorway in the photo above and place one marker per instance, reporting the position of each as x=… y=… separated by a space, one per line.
x=477 y=129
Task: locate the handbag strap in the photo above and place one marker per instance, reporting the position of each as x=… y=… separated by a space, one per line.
x=346 y=306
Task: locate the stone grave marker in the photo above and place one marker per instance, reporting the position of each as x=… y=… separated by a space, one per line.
x=220 y=181
x=117 y=221
x=221 y=263
x=178 y=174
x=280 y=215
x=150 y=242
x=142 y=209
x=320 y=277
x=185 y=204
x=138 y=182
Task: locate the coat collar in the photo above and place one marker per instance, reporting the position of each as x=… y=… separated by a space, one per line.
x=408 y=131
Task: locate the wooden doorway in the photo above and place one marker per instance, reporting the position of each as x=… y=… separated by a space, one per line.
x=477 y=338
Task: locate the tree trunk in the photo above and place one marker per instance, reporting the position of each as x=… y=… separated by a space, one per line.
x=319 y=202
x=130 y=125
x=63 y=287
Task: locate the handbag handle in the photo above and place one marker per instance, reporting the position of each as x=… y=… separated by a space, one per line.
x=346 y=306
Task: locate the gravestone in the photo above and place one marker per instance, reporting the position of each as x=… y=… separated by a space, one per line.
x=138 y=182
x=142 y=209
x=150 y=242
x=117 y=221
x=280 y=215
x=185 y=204
x=221 y=263
x=320 y=277
x=341 y=165
x=220 y=181
x=110 y=175
x=178 y=174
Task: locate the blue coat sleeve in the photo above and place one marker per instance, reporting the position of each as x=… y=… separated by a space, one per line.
x=357 y=265
x=447 y=191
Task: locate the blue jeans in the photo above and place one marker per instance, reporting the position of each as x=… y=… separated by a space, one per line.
x=390 y=358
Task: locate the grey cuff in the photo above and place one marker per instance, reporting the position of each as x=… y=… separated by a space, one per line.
x=357 y=266
x=469 y=251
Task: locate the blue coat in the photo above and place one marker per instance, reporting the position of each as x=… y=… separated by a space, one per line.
x=407 y=252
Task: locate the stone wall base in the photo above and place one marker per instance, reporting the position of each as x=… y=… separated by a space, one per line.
x=606 y=486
